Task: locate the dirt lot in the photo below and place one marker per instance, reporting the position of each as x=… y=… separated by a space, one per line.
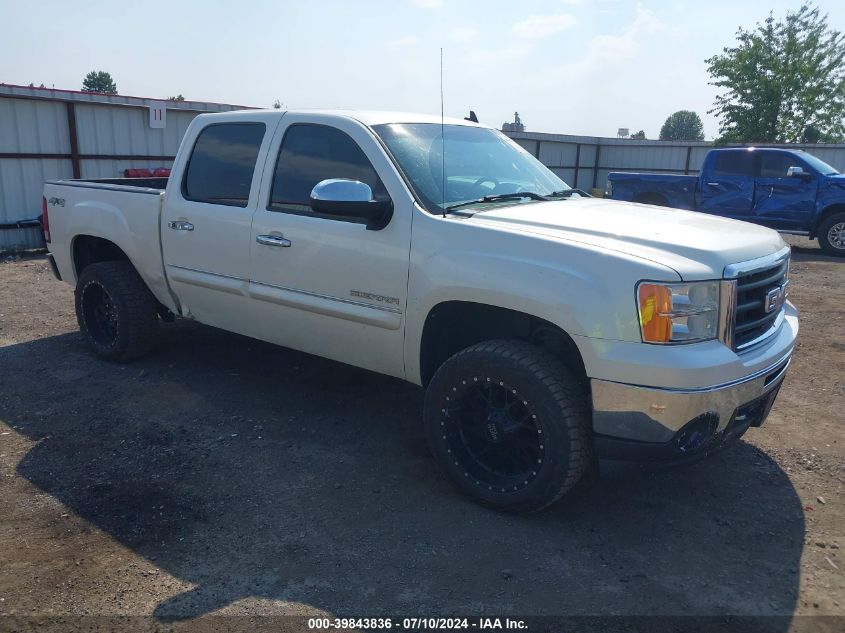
x=221 y=475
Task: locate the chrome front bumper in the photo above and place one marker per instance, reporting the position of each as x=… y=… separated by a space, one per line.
x=646 y=414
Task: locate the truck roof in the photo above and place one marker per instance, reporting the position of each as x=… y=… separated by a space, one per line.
x=757 y=149
x=367 y=117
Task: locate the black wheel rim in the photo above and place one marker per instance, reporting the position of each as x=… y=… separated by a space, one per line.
x=100 y=313
x=492 y=434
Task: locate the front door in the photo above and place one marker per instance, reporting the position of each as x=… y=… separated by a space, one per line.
x=327 y=285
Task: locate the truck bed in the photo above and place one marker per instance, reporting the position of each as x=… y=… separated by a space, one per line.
x=674 y=190
x=123 y=211
x=159 y=183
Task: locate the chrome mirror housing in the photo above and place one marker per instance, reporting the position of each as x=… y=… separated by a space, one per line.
x=341 y=190
x=351 y=200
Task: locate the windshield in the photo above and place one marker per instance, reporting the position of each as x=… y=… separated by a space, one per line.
x=479 y=162
x=819 y=165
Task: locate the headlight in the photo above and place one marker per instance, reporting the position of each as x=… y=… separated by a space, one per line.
x=678 y=313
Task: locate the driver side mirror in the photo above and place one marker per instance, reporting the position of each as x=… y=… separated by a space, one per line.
x=351 y=199
x=797 y=172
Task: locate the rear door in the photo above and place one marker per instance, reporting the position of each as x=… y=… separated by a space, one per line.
x=207 y=217
x=326 y=285
x=784 y=202
x=727 y=185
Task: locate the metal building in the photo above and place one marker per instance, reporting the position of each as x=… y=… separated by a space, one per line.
x=47 y=133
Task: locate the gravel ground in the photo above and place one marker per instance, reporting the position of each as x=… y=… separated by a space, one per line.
x=224 y=476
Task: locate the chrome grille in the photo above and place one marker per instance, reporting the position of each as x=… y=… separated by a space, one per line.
x=759 y=303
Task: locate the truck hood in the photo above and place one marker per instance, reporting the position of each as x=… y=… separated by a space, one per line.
x=695 y=245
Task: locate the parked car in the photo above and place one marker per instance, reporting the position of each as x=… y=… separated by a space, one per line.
x=549 y=328
x=788 y=190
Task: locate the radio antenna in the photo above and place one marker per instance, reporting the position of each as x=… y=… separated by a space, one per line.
x=442 y=139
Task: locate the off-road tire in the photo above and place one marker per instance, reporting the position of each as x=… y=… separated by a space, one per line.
x=824 y=230
x=133 y=311
x=558 y=399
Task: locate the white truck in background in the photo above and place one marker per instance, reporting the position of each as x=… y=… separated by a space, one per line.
x=550 y=329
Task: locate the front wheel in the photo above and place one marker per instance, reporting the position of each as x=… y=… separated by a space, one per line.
x=509 y=424
x=117 y=313
x=832 y=235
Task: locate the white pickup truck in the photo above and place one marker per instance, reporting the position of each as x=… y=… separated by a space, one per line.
x=550 y=329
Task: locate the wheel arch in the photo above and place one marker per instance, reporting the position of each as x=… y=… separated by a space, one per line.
x=824 y=214
x=90 y=249
x=452 y=325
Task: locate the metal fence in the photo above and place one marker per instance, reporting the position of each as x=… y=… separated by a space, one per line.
x=47 y=134
x=585 y=161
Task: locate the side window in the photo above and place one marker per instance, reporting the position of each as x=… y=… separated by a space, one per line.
x=311 y=153
x=222 y=164
x=776 y=164
x=734 y=164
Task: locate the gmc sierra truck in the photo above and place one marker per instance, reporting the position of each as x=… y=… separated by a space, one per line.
x=550 y=329
x=787 y=190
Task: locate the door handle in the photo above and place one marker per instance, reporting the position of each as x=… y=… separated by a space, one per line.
x=273 y=240
x=180 y=225
x=713 y=184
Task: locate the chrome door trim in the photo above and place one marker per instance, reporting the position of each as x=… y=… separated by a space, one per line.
x=347 y=309
x=206 y=279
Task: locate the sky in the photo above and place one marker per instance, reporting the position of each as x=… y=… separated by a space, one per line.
x=584 y=67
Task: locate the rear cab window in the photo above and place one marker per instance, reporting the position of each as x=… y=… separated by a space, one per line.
x=222 y=164
x=740 y=163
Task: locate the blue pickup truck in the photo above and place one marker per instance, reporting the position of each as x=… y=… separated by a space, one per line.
x=788 y=190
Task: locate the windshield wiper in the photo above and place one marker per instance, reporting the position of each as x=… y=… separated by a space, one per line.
x=566 y=193
x=499 y=197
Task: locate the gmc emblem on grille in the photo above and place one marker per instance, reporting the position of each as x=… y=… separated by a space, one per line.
x=775 y=298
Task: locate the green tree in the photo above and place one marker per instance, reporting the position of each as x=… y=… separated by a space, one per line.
x=638 y=136
x=99 y=81
x=178 y=97
x=781 y=79
x=683 y=125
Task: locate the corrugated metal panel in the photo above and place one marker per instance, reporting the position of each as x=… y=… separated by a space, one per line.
x=35 y=121
x=21 y=185
x=835 y=157
x=20 y=240
x=529 y=146
x=33 y=127
x=643 y=157
x=585 y=179
x=121 y=131
x=555 y=154
x=566 y=175
x=697 y=158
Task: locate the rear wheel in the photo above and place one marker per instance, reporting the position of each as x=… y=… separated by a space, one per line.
x=832 y=235
x=116 y=312
x=509 y=424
